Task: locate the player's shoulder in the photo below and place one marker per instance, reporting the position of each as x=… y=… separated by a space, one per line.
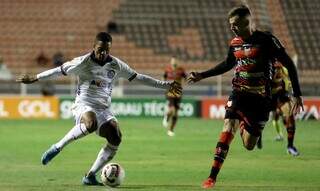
x=267 y=35
x=116 y=63
x=77 y=61
x=264 y=34
x=82 y=58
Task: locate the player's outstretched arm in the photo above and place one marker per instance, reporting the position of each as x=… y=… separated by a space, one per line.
x=194 y=77
x=150 y=81
x=48 y=74
x=174 y=87
x=26 y=79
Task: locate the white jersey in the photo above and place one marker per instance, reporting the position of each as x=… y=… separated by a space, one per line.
x=95 y=82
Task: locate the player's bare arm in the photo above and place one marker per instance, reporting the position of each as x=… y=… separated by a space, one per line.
x=297 y=100
x=297 y=105
x=221 y=68
x=174 y=87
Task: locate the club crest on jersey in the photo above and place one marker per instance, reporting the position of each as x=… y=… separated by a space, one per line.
x=110 y=74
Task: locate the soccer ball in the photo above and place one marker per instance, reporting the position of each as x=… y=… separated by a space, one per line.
x=112 y=174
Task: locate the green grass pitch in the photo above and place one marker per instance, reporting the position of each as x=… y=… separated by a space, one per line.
x=154 y=161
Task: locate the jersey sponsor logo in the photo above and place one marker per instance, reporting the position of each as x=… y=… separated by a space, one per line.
x=245 y=51
x=99 y=83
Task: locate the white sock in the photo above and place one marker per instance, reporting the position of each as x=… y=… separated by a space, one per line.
x=104 y=156
x=76 y=132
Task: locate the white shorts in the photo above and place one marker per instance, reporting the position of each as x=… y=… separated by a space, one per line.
x=103 y=115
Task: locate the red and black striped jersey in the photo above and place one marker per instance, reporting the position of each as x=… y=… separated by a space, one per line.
x=252 y=59
x=177 y=74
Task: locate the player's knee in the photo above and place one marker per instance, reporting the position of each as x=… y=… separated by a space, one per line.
x=116 y=138
x=230 y=125
x=90 y=120
x=250 y=139
x=291 y=129
x=111 y=132
x=248 y=146
x=253 y=131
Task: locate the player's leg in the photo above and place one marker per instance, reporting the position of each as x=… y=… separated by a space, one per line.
x=290 y=125
x=87 y=125
x=250 y=135
x=174 y=118
x=259 y=142
x=172 y=122
x=253 y=120
x=275 y=123
x=168 y=115
x=229 y=129
x=112 y=133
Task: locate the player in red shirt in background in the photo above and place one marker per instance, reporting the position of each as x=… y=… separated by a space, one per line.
x=251 y=53
x=176 y=73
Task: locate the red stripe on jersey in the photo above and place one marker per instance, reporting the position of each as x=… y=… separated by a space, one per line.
x=245 y=68
x=237 y=41
x=239 y=54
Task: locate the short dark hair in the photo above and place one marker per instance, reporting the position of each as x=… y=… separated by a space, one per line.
x=240 y=11
x=104 y=37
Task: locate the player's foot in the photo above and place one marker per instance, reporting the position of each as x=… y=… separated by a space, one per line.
x=165 y=122
x=170 y=133
x=293 y=151
x=49 y=154
x=259 y=143
x=278 y=138
x=90 y=180
x=209 y=183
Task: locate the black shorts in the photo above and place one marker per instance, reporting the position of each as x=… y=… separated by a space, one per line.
x=174 y=102
x=279 y=99
x=250 y=108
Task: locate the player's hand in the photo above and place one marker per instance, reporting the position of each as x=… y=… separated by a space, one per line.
x=297 y=105
x=175 y=89
x=194 y=77
x=26 y=79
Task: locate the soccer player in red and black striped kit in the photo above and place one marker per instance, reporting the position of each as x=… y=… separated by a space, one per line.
x=176 y=73
x=251 y=53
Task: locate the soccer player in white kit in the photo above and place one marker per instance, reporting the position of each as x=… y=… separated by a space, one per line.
x=96 y=71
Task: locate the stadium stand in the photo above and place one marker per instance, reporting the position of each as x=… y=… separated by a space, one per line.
x=150 y=31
